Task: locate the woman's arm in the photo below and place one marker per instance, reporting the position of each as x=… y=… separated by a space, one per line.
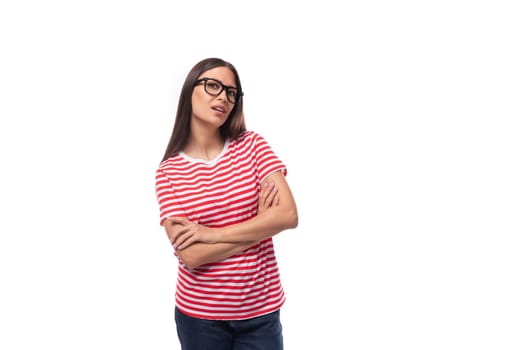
x=267 y=223
x=201 y=253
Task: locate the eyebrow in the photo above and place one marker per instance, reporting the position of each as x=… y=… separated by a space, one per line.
x=220 y=81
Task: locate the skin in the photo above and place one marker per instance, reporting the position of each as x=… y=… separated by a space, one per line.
x=197 y=244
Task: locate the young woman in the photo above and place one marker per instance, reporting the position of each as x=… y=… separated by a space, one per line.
x=222 y=195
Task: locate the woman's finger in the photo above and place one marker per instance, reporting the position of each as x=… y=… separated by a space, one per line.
x=177 y=231
x=187 y=238
x=268 y=194
x=176 y=220
x=275 y=201
x=272 y=195
x=263 y=195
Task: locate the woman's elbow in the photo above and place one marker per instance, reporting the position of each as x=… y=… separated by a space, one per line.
x=191 y=264
x=189 y=260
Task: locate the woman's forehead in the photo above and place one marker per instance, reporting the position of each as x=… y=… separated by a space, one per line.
x=223 y=74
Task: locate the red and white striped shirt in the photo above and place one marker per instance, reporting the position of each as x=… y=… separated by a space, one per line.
x=218 y=193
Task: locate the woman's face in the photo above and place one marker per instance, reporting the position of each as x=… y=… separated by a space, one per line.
x=209 y=108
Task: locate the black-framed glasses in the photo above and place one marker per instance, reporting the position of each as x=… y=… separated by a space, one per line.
x=215 y=87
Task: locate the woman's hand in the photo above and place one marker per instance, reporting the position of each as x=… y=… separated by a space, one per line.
x=183 y=232
x=268 y=196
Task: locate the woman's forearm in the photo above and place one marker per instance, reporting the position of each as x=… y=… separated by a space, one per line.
x=197 y=244
x=199 y=253
x=268 y=223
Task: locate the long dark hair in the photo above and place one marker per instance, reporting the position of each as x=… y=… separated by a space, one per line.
x=233 y=126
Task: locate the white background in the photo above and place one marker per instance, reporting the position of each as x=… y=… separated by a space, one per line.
x=400 y=123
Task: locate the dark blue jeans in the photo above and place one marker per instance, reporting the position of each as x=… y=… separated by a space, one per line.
x=259 y=333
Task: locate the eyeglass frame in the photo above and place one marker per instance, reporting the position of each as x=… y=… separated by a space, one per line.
x=223 y=88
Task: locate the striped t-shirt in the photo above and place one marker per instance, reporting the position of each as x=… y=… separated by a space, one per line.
x=218 y=193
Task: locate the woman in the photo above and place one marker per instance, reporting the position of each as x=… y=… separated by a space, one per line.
x=222 y=195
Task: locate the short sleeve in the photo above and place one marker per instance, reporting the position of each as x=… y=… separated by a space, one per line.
x=168 y=203
x=266 y=160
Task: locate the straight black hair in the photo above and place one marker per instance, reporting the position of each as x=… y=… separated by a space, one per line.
x=234 y=125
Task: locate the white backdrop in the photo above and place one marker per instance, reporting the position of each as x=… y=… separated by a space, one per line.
x=400 y=123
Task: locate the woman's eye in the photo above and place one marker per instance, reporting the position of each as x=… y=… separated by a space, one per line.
x=213 y=86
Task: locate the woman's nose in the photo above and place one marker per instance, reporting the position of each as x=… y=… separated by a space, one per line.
x=223 y=95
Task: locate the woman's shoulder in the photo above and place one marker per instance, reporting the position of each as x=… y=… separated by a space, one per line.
x=247 y=136
x=170 y=163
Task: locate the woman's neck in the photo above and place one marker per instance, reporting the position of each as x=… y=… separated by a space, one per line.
x=204 y=145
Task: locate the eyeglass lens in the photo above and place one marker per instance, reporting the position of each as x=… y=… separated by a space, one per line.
x=215 y=87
